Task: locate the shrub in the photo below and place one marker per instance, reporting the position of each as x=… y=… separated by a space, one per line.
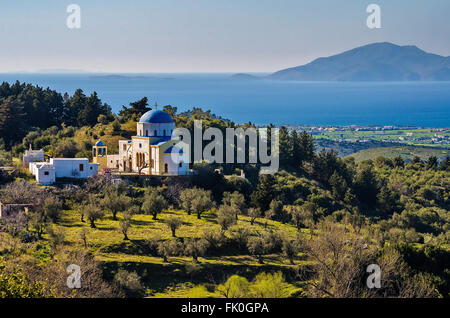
x=130 y=282
x=235 y=287
x=52 y=208
x=268 y=285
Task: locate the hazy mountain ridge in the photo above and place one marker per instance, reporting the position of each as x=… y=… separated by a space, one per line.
x=374 y=62
x=244 y=76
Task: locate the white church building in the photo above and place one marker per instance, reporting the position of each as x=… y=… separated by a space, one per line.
x=153 y=151
x=31 y=155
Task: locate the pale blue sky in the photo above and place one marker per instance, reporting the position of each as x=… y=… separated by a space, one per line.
x=207 y=35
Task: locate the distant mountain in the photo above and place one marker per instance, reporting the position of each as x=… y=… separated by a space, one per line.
x=244 y=76
x=128 y=77
x=374 y=62
x=61 y=71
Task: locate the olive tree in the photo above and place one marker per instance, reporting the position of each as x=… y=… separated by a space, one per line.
x=260 y=245
x=236 y=201
x=202 y=202
x=186 y=199
x=275 y=210
x=114 y=201
x=36 y=221
x=268 y=215
x=125 y=223
x=214 y=237
x=290 y=250
x=174 y=223
x=154 y=203
x=304 y=216
x=56 y=237
x=52 y=208
x=83 y=236
x=196 y=200
x=93 y=213
x=254 y=213
x=226 y=217
x=168 y=248
x=195 y=248
x=240 y=235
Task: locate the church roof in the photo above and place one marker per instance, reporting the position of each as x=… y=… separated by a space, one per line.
x=99 y=144
x=159 y=140
x=156 y=117
x=174 y=149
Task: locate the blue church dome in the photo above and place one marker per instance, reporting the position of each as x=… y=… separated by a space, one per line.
x=174 y=149
x=99 y=144
x=156 y=117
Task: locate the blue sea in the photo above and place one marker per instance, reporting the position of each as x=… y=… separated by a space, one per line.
x=425 y=104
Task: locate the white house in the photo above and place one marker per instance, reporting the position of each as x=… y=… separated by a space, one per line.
x=46 y=173
x=43 y=171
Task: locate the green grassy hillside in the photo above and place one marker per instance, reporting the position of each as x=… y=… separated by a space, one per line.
x=406 y=152
x=180 y=277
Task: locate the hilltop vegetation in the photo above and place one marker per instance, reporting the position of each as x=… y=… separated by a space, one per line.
x=166 y=247
x=24 y=108
x=407 y=153
x=310 y=230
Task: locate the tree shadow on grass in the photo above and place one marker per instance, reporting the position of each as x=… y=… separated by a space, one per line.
x=129 y=247
x=108 y=228
x=243 y=260
x=170 y=212
x=71 y=225
x=184 y=223
x=141 y=222
x=210 y=217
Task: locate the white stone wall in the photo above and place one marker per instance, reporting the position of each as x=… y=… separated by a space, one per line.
x=155 y=156
x=172 y=161
x=32 y=167
x=113 y=161
x=140 y=145
x=125 y=150
x=148 y=130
